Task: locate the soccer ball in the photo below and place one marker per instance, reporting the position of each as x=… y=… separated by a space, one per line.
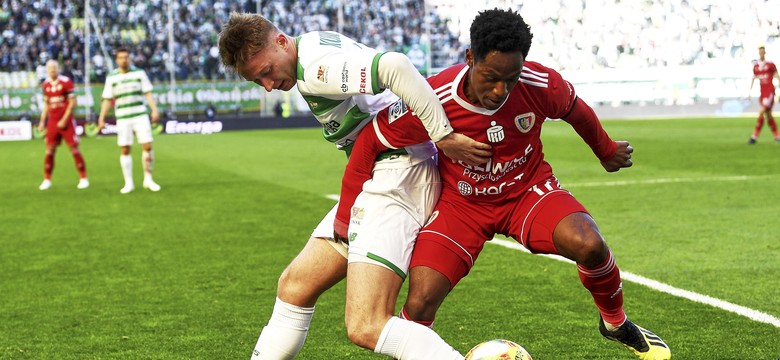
x=498 y=349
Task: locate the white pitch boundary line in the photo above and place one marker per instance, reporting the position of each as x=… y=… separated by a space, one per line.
x=668 y=289
x=653 y=284
x=669 y=180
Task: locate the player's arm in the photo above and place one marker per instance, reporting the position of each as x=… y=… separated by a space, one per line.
x=750 y=89
x=397 y=73
x=614 y=155
x=104 y=106
x=44 y=114
x=62 y=123
x=153 y=106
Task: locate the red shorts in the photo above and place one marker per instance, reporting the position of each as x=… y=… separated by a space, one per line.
x=458 y=229
x=767 y=100
x=55 y=135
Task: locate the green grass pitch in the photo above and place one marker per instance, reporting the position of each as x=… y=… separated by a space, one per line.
x=190 y=272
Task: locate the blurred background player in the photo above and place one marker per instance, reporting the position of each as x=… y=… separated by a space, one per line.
x=500 y=98
x=127 y=86
x=344 y=84
x=59 y=100
x=765 y=71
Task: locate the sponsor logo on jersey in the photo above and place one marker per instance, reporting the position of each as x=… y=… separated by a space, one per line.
x=322 y=73
x=357 y=213
x=363 y=78
x=495 y=133
x=396 y=111
x=464 y=188
x=525 y=122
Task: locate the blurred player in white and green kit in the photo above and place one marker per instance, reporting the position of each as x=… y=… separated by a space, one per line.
x=127 y=87
x=345 y=85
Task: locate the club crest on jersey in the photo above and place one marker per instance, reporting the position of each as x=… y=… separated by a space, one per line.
x=322 y=73
x=464 y=188
x=525 y=122
x=495 y=133
x=396 y=110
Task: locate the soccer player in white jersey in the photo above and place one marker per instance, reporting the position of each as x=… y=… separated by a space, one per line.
x=127 y=87
x=345 y=84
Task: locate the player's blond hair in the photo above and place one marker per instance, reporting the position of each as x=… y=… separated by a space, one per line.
x=243 y=36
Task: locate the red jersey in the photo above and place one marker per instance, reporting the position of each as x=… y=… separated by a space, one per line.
x=513 y=130
x=57 y=93
x=764 y=72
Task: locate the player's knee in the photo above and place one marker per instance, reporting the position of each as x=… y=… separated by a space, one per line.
x=362 y=331
x=592 y=249
x=291 y=289
x=421 y=306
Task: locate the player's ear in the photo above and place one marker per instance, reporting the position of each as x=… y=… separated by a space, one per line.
x=469 y=58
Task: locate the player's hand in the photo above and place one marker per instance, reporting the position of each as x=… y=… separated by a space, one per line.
x=463 y=148
x=155 y=116
x=621 y=159
x=62 y=124
x=41 y=126
x=100 y=125
x=339 y=237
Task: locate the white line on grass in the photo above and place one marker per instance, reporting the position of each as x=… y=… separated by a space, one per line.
x=659 y=286
x=669 y=180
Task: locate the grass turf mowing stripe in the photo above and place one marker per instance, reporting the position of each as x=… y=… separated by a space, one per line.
x=668 y=289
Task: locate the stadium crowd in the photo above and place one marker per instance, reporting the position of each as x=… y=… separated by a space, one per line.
x=568 y=34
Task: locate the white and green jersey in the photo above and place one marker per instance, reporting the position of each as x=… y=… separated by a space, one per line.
x=128 y=90
x=337 y=77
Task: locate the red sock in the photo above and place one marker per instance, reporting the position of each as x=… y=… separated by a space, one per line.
x=48 y=166
x=404 y=315
x=759 y=125
x=80 y=166
x=603 y=282
x=773 y=126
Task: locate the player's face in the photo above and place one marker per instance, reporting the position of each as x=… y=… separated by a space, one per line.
x=123 y=60
x=761 y=52
x=491 y=79
x=273 y=68
x=52 y=69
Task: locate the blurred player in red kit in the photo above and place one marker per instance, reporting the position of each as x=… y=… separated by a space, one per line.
x=765 y=71
x=59 y=100
x=498 y=98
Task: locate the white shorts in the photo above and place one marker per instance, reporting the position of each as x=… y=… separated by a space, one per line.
x=140 y=126
x=325 y=231
x=391 y=210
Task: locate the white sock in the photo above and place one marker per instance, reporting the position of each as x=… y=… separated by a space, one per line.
x=406 y=340
x=148 y=158
x=126 y=161
x=285 y=333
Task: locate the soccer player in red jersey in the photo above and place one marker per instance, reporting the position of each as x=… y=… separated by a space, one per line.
x=59 y=100
x=498 y=98
x=765 y=71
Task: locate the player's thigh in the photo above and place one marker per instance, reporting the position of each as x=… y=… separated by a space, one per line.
x=536 y=216
x=452 y=239
x=124 y=132
x=143 y=130
x=70 y=137
x=372 y=292
x=314 y=270
x=53 y=137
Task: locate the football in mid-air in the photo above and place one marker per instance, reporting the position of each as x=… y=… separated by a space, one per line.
x=498 y=349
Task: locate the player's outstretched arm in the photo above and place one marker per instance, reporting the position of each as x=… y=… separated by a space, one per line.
x=621 y=159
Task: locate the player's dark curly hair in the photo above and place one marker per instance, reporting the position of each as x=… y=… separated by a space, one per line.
x=501 y=30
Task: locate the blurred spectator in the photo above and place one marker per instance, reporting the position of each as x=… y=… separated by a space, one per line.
x=568 y=34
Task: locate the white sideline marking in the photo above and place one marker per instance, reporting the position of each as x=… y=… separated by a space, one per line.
x=659 y=286
x=669 y=180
